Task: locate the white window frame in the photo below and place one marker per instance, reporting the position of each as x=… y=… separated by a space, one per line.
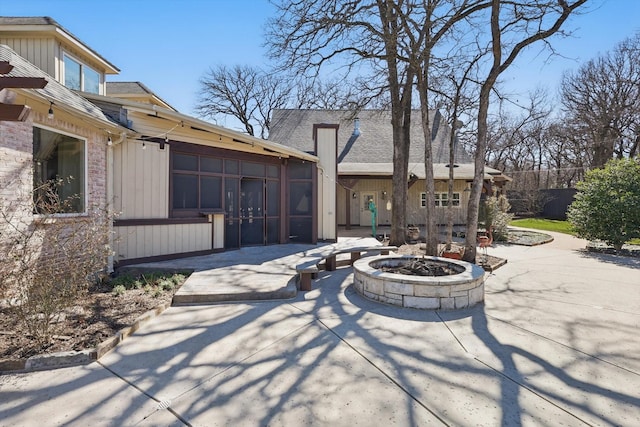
x=85 y=171
x=83 y=65
x=443 y=198
x=440 y=198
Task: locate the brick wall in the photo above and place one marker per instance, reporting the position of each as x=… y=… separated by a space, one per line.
x=16 y=174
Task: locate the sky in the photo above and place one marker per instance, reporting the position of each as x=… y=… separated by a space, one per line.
x=170 y=44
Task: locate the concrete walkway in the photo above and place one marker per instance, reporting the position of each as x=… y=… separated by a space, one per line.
x=248 y=274
x=556 y=343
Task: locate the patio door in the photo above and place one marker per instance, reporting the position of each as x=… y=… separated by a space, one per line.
x=252 y=212
x=365 y=213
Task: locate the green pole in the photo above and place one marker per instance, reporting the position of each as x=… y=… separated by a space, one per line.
x=374 y=213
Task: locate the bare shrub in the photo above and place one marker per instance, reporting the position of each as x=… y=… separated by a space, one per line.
x=49 y=257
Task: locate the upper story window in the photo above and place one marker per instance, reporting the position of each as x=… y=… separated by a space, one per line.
x=59 y=172
x=79 y=76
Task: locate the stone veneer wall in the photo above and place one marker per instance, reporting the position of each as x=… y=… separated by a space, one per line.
x=425 y=292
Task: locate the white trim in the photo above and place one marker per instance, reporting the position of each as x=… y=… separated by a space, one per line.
x=83 y=65
x=423 y=202
x=86 y=170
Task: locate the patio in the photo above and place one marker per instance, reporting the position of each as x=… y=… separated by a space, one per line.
x=554 y=344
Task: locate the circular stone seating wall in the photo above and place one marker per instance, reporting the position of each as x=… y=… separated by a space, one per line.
x=455 y=291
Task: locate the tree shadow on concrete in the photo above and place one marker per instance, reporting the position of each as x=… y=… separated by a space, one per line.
x=327 y=357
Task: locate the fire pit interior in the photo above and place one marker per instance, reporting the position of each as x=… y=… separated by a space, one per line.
x=419 y=267
x=419 y=282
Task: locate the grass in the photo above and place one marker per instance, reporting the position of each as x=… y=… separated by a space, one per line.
x=551 y=225
x=543 y=224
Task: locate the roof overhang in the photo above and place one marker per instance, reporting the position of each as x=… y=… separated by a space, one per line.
x=183 y=119
x=61 y=34
x=463 y=171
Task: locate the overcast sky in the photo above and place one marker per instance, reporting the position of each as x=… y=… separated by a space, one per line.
x=168 y=45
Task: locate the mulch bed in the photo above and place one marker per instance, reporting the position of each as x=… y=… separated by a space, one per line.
x=98 y=316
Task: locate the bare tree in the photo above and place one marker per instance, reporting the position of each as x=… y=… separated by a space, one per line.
x=246 y=93
x=602 y=101
x=332 y=94
x=459 y=101
x=437 y=22
x=250 y=95
x=360 y=36
x=387 y=38
x=514 y=27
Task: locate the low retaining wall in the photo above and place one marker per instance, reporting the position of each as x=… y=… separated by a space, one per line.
x=455 y=291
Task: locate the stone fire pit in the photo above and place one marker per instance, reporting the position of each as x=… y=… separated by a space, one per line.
x=464 y=288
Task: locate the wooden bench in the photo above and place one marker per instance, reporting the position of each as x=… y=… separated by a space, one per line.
x=356 y=254
x=309 y=269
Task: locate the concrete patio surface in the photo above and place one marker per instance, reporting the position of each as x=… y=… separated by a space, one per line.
x=556 y=343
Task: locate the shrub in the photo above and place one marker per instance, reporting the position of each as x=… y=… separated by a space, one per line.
x=607 y=205
x=118 y=290
x=48 y=261
x=495 y=214
x=154 y=283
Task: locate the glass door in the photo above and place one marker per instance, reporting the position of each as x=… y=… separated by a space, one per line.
x=252 y=211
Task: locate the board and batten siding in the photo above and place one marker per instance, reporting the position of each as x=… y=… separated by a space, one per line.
x=141 y=180
x=327 y=177
x=378 y=186
x=416 y=214
x=42 y=52
x=143 y=241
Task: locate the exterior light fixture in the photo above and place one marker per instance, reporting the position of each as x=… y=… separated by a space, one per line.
x=50 y=113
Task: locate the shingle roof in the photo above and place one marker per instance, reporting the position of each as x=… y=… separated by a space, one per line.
x=127 y=87
x=133 y=88
x=374 y=144
x=53 y=91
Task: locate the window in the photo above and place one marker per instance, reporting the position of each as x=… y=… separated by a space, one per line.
x=79 y=76
x=301 y=203
x=197 y=183
x=58 y=172
x=442 y=199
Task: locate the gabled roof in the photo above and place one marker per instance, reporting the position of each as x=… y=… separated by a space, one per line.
x=374 y=144
x=61 y=96
x=45 y=24
x=135 y=91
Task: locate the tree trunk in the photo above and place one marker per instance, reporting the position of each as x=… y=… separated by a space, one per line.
x=399 y=183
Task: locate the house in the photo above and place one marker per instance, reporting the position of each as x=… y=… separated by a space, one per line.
x=56 y=133
x=363 y=147
x=185 y=187
x=182 y=186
